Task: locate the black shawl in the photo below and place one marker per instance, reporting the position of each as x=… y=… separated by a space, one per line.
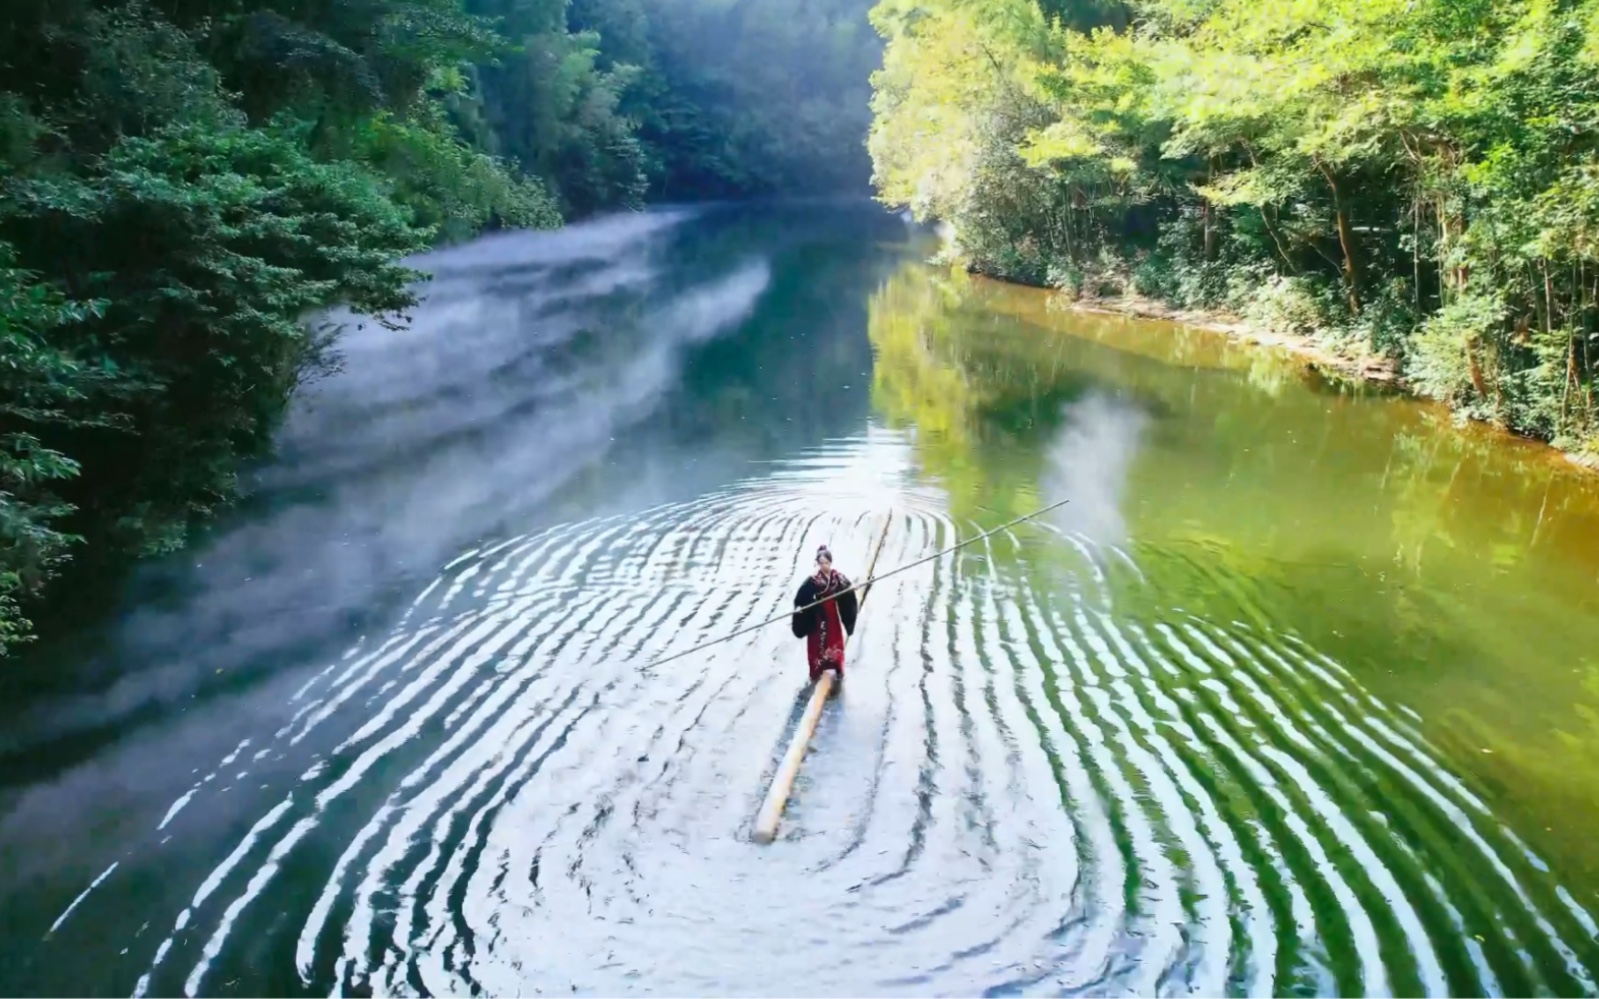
x=810 y=591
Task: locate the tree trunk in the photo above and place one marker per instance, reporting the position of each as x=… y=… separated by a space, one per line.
x=1571 y=378
x=1287 y=260
x=1444 y=287
x=1415 y=252
x=1346 y=242
x=1479 y=382
x=1205 y=212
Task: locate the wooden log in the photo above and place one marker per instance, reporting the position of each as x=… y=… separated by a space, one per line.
x=771 y=812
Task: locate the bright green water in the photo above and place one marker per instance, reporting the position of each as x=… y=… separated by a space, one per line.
x=1296 y=695
x=1362 y=568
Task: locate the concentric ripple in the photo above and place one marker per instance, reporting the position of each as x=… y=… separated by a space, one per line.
x=1025 y=788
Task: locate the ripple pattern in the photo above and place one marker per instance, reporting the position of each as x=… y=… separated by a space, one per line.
x=1024 y=789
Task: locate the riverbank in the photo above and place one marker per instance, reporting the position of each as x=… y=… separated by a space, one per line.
x=1317 y=355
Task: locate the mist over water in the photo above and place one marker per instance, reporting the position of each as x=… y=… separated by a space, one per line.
x=530 y=353
x=395 y=727
x=1088 y=464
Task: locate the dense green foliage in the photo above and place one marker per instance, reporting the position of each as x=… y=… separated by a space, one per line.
x=183 y=182
x=760 y=97
x=1417 y=178
x=618 y=101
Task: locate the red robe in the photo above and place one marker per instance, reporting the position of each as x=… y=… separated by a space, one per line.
x=826 y=627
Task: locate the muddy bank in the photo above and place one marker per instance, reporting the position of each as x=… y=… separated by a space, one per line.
x=1316 y=354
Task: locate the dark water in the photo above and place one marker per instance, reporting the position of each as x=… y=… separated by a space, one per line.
x=1296 y=696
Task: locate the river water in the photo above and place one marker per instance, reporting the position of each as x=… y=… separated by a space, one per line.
x=1296 y=695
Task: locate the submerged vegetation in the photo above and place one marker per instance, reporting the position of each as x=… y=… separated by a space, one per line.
x=1413 y=178
x=182 y=182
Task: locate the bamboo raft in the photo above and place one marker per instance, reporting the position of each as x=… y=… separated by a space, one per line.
x=771 y=812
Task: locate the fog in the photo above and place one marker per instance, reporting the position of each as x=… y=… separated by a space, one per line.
x=783 y=91
x=542 y=377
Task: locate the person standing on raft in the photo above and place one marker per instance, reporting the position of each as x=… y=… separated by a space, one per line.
x=824 y=628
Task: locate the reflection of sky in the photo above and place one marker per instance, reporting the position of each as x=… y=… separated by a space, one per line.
x=1088 y=462
x=608 y=366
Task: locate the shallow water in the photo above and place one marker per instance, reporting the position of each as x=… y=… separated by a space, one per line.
x=1295 y=695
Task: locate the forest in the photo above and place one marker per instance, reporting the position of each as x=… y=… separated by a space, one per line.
x=183 y=182
x=1412 y=179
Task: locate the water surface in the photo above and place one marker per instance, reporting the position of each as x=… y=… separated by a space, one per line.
x=1294 y=696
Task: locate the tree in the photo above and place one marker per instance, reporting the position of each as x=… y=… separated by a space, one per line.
x=182 y=182
x=1413 y=177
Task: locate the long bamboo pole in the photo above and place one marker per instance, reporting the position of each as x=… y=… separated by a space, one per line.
x=783 y=781
x=862 y=586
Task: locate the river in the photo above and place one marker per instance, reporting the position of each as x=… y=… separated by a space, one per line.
x=1296 y=695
